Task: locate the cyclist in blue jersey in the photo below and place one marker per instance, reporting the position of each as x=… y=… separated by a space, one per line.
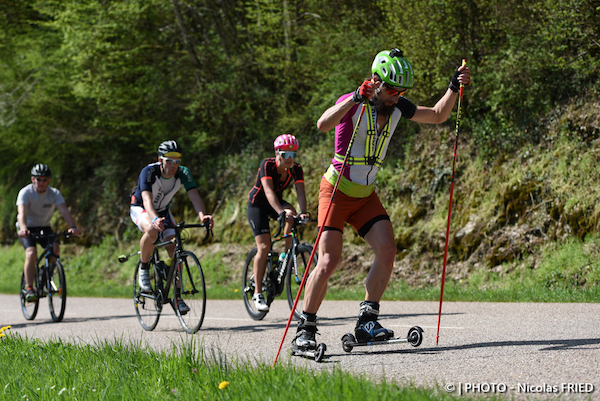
x=157 y=185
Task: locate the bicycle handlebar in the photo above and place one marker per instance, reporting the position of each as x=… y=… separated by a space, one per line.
x=53 y=236
x=297 y=222
x=281 y=223
x=178 y=226
x=182 y=225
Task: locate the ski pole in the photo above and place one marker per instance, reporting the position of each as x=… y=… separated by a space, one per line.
x=312 y=254
x=437 y=337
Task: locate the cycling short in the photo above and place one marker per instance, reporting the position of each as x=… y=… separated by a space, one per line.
x=30 y=241
x=137 y=211
x=360 y=213
x=258 y=216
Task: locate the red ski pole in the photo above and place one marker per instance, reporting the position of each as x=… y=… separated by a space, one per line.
x=312 y=254
x=437 y=337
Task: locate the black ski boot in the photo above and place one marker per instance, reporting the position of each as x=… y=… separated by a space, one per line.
x=305 y=333
x=367 y=327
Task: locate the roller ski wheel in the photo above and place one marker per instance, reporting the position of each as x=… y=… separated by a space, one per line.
x=317 y=354
x=347 y=341
x=414 y=338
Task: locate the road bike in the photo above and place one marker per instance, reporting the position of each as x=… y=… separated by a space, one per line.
x=50 y=281
x=285 y=270
x=183 y=275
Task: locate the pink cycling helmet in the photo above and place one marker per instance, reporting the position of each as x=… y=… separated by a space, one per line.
x=286 y=142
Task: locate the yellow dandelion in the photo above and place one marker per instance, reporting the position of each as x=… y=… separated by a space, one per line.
x=223 y=385
x=2 y=335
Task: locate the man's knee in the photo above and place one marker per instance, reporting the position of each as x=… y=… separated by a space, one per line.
x=263 y=248
x=326 y=265
x=386 y=250
x=151 y=234
x=31 y=253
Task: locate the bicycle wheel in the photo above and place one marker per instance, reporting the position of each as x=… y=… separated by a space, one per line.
x=294 y=275
x=147 y=306
x=29 y=309
x=248 y=286
x=189 y=284
x=57 y=291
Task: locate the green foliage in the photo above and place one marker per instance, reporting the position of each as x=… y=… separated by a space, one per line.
x=92 y=87
x=521 y=68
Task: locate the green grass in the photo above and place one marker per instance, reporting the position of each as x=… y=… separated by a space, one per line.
x=54 y=369
x=567 y=272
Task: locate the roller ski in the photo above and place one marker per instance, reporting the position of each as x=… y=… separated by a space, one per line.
x=304 y=344
x=369 y=331
x=414 y=338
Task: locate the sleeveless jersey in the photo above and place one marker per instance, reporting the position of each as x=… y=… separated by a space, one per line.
x=370 y=146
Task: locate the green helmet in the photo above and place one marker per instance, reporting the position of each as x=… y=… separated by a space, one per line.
x=393 y=68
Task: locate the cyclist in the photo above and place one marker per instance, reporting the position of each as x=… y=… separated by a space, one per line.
x=157 y=185
x=355 y=200
x=265 y=200
x=36 y=203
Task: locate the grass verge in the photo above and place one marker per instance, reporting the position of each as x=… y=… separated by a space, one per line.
x=567 y=272
x=34 y=369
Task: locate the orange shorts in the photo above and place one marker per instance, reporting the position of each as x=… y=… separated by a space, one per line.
x=360 y=213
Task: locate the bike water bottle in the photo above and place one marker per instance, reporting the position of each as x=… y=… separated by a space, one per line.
x=168 y=262
x=281 y=257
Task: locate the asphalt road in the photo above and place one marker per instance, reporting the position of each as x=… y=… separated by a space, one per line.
x=517 y=349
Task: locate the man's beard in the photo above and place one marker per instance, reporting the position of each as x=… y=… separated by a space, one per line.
x=382 y=108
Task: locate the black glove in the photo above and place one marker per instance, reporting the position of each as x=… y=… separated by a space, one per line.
x=454 y=84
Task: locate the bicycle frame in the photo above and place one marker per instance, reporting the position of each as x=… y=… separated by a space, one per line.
x=177 y=256
x=184 y=275
x=46 y=255
x=280 y=276
x=291 y=250
x=49 y=280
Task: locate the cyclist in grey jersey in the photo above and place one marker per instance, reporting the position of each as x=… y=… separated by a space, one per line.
x=157 y=184
x=36 y=203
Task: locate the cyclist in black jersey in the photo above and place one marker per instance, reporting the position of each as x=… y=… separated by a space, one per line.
x=265 y=200
x=157 y=185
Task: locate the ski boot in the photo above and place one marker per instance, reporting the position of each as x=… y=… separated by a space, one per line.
x=369 y=331
x=368 y=328
x=304 y=343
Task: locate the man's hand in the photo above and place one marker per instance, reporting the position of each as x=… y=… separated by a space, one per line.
x=75 y=231
x=23 y=233
x=364 y=92
x=304 y=217
x=206 y=218
x=158 y=223
x=461 y=76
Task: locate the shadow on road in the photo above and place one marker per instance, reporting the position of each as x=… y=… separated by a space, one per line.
x=547 y=345
x=34 y=323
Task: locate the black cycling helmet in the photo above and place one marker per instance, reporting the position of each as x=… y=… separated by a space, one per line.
x=169 y=148
x=41 y=170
